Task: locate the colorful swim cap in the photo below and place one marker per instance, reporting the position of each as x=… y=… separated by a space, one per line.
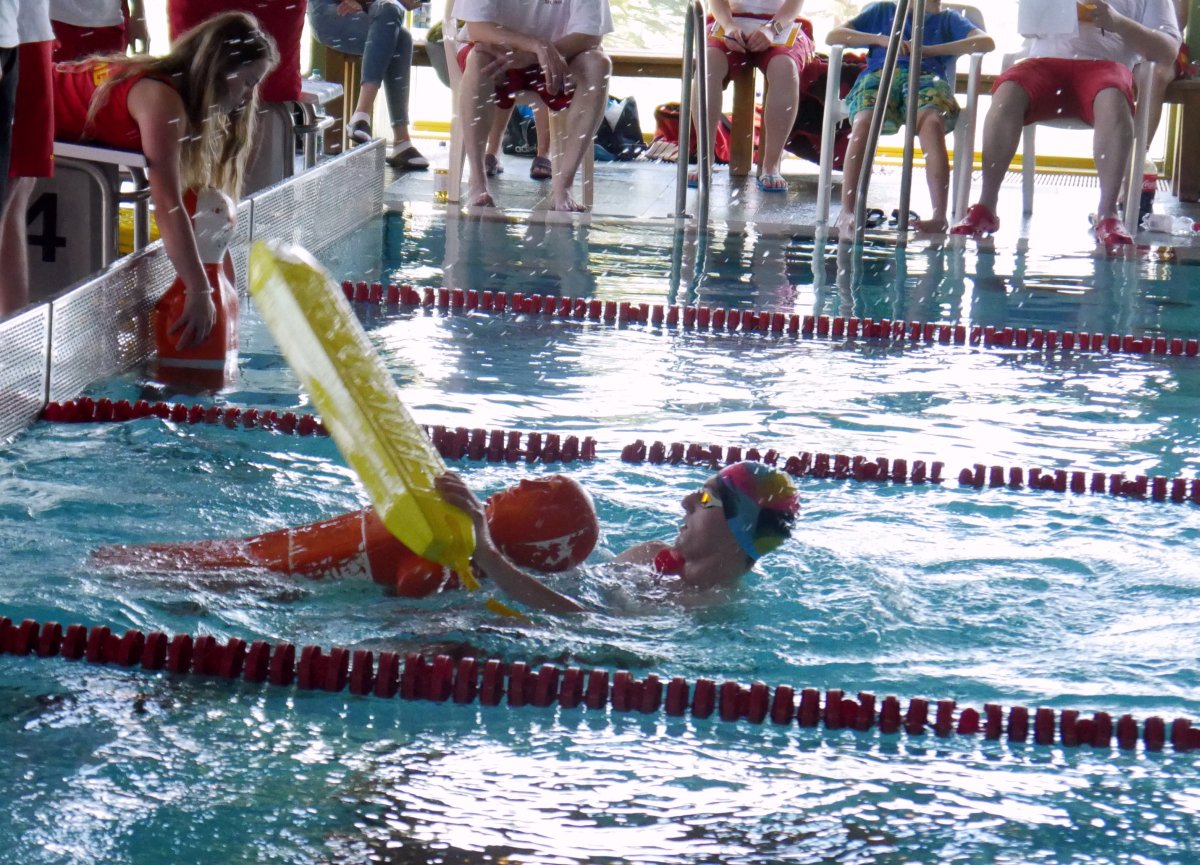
x=760 y=504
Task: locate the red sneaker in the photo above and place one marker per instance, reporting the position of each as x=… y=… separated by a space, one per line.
x=978 y=222
x=1110 y=232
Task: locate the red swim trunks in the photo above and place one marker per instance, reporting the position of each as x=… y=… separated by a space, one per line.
x=518 y=80
x=1060 y=88
x=75 y=43
x=800 y=51
x=33 y=120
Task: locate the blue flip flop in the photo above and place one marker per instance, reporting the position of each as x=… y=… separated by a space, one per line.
x=772 y=183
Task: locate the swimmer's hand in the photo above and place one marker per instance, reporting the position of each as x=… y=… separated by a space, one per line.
x=196 y=321
x=513 y=581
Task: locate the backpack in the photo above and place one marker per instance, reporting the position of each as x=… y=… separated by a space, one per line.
x=520 y=135
x=620 y=134
x=666 y=133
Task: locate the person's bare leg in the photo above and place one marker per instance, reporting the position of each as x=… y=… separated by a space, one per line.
x=590 y=72
x=14 y=276
x=931 y=130
x=496 y=134
x=476 y=113
x=851 y=167
x=779 y=114
x=541 y=124
x=718 y=68
x=1001 y=134
x=1111 y=146
x=1163 y=76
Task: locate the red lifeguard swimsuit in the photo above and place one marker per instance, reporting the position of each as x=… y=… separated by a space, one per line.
x=74 y=86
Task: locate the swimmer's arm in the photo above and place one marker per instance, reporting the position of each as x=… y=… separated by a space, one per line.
x=642 y=554
x=513 y=581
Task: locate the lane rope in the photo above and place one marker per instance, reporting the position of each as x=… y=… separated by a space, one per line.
x=743 y=321
x=443 y=679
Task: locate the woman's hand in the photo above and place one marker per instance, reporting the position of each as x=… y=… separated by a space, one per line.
x=349 y=7
x=455 y=491
x=196 y=321
x=759 y=40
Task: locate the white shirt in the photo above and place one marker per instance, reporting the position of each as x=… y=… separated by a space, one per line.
x=1092 y=43
x=87 y=13
x=755 y=7
x=8 y=23
x=33 y=21
x=550 y=20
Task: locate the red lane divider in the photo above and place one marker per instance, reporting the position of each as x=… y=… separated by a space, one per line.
x=778 y=323
x=459 y=443
x=443 y=679
x=859 y=468
x=805 y=464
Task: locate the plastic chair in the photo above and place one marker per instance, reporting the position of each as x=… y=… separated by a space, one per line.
x=964 y=130
x=1145 y=73
x=558 y=125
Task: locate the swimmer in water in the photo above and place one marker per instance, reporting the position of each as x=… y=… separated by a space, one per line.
x=739 y=514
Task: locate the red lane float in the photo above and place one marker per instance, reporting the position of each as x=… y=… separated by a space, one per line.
x=458 y=443
x=445 y=680
x=743 y=321
x=859 y=468
x=546 y=524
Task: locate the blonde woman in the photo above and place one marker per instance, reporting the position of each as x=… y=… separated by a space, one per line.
x=191 y=112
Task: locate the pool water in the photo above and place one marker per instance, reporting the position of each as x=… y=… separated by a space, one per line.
x=1009 y=596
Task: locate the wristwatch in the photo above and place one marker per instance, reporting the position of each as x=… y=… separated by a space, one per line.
x=777 y=26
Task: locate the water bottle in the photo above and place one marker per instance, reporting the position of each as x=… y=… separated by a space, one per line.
x=1149 y=185
x=421 y=17
x=441 y=174
x=1167 y=224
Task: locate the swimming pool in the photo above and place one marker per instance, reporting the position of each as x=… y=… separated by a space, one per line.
x=995 y=595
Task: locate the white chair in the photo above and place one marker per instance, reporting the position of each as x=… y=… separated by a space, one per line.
x=558 y=122
x=964 y=130
x=1141 y=122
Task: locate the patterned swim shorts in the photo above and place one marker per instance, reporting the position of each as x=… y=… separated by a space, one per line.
x=934 y=93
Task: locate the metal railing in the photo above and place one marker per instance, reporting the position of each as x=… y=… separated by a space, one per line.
x=695 y=64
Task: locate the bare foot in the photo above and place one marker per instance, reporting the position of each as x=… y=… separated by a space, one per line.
x=566 y=203
x=483 y=199
x=931 y=226
x=844 y=224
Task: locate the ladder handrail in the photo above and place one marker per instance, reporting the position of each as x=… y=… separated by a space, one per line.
x=695 y=63
x=916 y=50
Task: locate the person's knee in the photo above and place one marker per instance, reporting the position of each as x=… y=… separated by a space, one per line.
x=931 y=122
x=1111 y=112
x=1009 y=100
x=388 y=11
x=783 y=72
x=592 y=67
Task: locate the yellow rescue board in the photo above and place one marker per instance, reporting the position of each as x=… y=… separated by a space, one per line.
x=326 y=347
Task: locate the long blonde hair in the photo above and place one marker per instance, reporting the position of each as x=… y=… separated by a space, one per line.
x=215 y=146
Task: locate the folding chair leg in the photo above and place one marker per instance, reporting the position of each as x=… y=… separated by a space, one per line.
x=1028 y=168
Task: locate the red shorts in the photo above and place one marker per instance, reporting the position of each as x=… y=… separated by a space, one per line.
x=800 y=51
x=1059 y=88
x=75 y=43
x=33 y=120
x=518 y=80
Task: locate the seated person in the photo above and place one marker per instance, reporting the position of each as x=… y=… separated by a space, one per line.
x=947 y=34
x=1165 y=73
x=551 y=49
x=540 y=169
x=86 y=27
x=1087 y=76
x=741 y=513
x=283 y=22
x=374 y=30
x=765 y=34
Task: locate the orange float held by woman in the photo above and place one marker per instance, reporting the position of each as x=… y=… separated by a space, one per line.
x=547 y=524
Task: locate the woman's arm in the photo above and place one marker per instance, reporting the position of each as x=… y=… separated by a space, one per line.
x=160 y=117
x=514 y=582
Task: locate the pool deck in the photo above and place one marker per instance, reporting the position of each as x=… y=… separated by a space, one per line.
x=631 y=191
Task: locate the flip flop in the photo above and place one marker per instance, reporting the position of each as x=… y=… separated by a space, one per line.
x=491 y=165
x=772 y=183
x=541 y=169
x=894 y=219
x=408 y=159
x=873 y=218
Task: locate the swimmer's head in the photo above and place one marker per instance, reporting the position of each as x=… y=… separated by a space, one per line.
x=760 y=505
x=737 y=516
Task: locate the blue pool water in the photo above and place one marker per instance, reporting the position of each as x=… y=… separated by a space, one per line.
x=1016 y=597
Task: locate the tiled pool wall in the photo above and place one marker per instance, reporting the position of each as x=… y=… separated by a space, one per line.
x=101 y=327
